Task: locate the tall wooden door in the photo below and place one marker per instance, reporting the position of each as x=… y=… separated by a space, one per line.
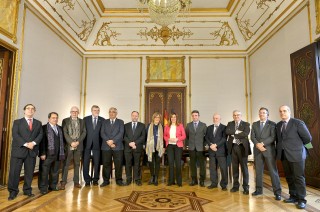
x=305 y=84
x=171 y=99
x=5 y=67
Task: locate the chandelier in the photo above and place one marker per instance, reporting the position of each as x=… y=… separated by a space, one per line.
x=165 y=12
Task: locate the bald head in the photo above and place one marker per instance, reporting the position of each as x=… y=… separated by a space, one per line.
x=216 y=119
x=285 y=112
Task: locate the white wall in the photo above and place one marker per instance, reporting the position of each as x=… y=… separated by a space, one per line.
x=113 y=82
x=51 y=70
x=218 y=85
x=271 y=83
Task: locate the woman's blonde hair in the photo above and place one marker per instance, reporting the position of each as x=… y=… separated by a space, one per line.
x=154 y=115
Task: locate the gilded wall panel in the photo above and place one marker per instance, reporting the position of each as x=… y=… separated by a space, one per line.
x=9 y=18
x=317 y=2
x=191 y=33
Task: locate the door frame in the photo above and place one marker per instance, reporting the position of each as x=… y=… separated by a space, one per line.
x=10 y=111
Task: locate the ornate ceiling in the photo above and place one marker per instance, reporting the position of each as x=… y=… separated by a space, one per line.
x=102 y=26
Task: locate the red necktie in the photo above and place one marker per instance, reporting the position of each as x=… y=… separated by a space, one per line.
x=30 y=124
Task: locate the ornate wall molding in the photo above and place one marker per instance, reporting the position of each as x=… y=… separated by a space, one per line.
x=191 y=33
x=77 y=15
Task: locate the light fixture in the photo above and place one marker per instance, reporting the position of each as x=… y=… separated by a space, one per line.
x=165 y=12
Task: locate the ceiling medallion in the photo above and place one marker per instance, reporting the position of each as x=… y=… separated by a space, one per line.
x=165 y=34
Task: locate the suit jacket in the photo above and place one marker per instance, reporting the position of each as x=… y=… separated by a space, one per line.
x=114 y=133
x=93 y=139
x=267 y=136
x=243 y=136
x=220 y=139
x=69 y=140
x=21 y=134
x=43 y=147
x=196 y=139
x=180 y=134
x=139 y=136
x=292 y=140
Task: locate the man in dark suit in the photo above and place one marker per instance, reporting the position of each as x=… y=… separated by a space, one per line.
x=74 y=131
x=51 y=152
x=112 y=131
x=195 y=132
x=293 y=137
x=239 y=148
x=263 y=135
x=216 y=140
x=134 y=139
x=92 y=145
x=26 y=137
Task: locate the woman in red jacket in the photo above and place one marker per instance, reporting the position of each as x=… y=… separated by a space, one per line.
x=174 y=136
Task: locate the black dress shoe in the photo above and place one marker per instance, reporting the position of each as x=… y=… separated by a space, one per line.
x=120 y=183
x=169 y=184
x=301 y=205
x=290 y=200
x=95 y=183
x=12 y=196
x=224 y=189
x=256 y=193
x=193 y=183
x=201 y=183
x=104 y=184
x=138 y=183
x=234 y=190
x=29 y=195
x=87 y=185
x=212 y=186
x=246 y=192
x=277 y=197
x=53 y=189
x=179 y=185
x=43 y=192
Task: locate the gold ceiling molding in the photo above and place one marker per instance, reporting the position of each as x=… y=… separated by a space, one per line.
x=104 y=35
x=9 y=10
x=317 y=2
x=196 y=34
x=68 y=11
x=253 y=15
x=165 y=34
x=135 y=10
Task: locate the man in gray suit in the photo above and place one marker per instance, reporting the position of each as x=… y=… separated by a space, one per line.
x=195 y=132
x=263 y=135
x=74 y=132
x=293 y=137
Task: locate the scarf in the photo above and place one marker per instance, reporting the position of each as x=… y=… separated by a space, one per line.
x=51 y=142
x=150 y=142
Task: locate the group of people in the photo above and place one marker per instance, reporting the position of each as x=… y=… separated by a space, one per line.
x=109 y=141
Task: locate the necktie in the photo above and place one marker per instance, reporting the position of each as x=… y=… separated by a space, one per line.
x=215 y=130
x=30 y=124
x=55 y=129
x=283 y=128
x=134 y=127
x=195 y=126
x=111 y=122
x=237 y=140
x=94 y=123
x=261 y=126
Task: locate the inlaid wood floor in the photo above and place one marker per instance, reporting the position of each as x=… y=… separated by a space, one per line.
x=155 y=198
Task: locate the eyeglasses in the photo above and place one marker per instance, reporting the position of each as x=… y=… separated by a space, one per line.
x=74 y=111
